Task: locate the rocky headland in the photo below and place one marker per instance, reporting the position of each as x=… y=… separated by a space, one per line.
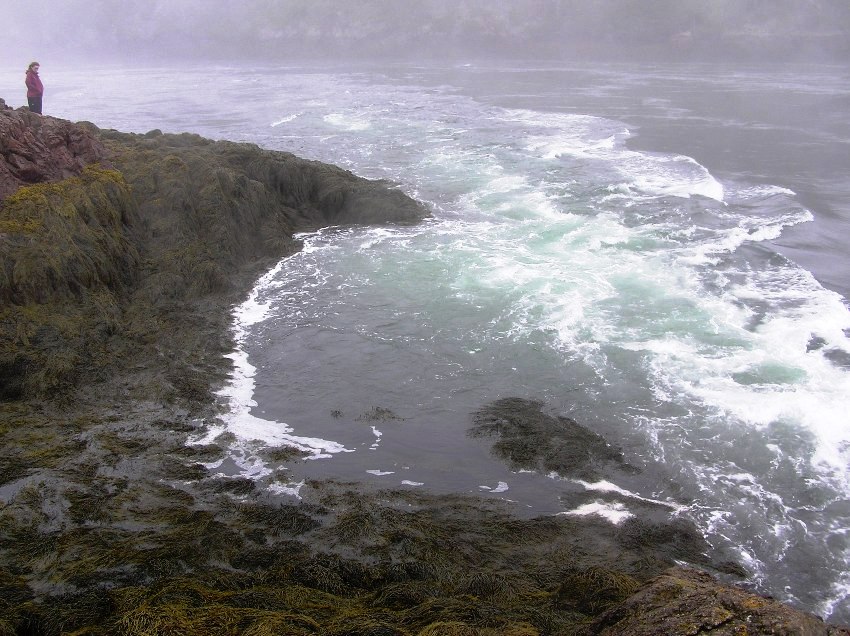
x=121 y=257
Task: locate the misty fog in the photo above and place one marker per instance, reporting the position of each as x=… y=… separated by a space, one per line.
x=270 y=31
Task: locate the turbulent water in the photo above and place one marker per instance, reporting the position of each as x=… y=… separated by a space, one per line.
x=659 y=253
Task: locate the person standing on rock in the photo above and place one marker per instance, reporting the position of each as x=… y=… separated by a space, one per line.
x=35 y=89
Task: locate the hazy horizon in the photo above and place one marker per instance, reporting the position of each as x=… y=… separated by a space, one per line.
x=278 y=31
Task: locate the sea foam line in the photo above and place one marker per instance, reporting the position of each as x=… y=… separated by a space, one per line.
x=251 y=433
x=596 y=139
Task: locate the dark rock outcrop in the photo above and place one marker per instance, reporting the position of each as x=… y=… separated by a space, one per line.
x=35 y=149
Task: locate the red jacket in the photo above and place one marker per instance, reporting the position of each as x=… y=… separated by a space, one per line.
x=34 y=86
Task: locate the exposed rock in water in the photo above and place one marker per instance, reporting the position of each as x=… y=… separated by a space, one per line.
x=531 y=439
x=120 y=258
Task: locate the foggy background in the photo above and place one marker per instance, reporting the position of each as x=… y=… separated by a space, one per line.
x=269 y=31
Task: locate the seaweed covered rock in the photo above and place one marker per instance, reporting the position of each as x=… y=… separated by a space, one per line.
x=686 y=601
x=105 y=265
x=67 y=262
x=225 y=205
x=648 y=531
x=529 y=438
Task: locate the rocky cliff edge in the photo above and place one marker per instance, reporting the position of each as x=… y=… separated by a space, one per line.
x=105 y=238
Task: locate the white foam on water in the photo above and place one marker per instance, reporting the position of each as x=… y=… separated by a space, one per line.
x=839 y=591
x=563 y=293
x=665 y=175
x=759 y=192
x=290 y=490
x=720 y=241
x=771 y=373
x=348 y=122
x=603 y=141
x=607 y=486
x=285 y=120
x=375 y=237
x=756 y=370
x=615 y=512
x=555 y=135
x=251 y=433
x=377 y=441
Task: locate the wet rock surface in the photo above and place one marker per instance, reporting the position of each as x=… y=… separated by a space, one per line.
x=117 y=275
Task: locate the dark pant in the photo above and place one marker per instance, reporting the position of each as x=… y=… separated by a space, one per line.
x=35 y=104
